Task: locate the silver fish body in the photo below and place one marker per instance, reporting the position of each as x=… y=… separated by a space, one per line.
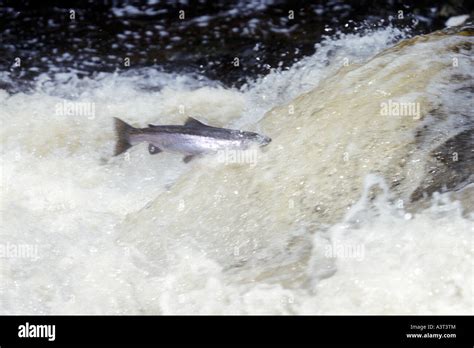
x=191 y=139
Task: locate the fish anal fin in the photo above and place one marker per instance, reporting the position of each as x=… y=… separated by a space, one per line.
x=153 y=150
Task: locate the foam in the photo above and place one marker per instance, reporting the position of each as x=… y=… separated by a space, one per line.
x=111 y=236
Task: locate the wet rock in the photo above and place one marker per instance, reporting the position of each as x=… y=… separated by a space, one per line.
x=451 y=166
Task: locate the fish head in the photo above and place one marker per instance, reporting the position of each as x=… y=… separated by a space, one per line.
x=256 y=138
x=263 y=140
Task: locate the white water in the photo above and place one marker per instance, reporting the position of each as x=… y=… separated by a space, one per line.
x=149 y=234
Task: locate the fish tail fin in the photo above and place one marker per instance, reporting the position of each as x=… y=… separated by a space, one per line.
x=122 y=130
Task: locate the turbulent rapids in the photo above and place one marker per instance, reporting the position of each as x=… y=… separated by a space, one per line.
x=362 y=203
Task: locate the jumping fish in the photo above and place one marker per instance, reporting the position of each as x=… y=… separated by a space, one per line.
x=192 y=139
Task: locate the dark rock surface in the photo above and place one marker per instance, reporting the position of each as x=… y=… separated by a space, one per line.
x=451 y=166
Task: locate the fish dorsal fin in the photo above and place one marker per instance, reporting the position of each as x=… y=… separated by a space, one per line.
x=152 y=125
x=192 y=122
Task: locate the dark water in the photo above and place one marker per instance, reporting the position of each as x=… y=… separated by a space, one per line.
x=105 y=35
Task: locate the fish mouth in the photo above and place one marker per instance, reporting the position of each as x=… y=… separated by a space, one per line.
x=265 y=141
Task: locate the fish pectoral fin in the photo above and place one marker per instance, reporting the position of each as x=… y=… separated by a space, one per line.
x=188 y=158
x=192 y=122
x=153 y=150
